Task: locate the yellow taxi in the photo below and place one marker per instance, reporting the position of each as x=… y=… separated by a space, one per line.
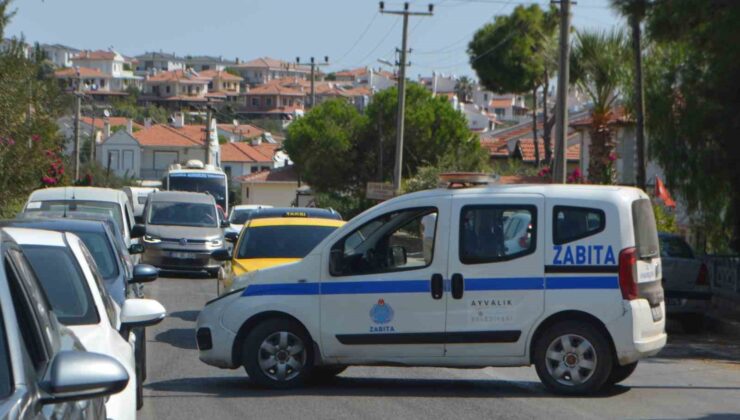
x=277 y=236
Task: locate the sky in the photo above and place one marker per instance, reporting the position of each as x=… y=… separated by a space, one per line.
x=352 y=33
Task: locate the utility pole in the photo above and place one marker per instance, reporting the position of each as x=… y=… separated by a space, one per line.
x=78 y=104
x=561 y=116
x=313 y=65
x=93 y=132
x=207 y=130
x=398 y=166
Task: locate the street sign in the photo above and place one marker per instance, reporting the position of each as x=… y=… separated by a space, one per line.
x=380 y=191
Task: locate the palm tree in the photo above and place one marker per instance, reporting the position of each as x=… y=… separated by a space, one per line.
x=598 y=69
x=464 y=89
x=5 y=16
x=634 y=11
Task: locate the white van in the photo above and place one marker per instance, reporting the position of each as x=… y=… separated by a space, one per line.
x=137 y=198
x=580 y=297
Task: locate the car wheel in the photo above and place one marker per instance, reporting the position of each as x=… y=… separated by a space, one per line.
x=573 y=358
x=278 y=354
x=693 y=324
x=620 y=373
x=326 y=373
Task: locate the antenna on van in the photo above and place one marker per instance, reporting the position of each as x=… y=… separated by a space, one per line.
x=64 y=206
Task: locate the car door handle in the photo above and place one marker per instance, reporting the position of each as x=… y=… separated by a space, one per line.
x=437 y=286
x=458 y=285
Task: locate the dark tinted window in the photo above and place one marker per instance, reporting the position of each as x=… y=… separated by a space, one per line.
x=643 y=223
x=293 y=241
x=108 y=302
x=239 y=217
x=63 y=283
x=83 y=206
x=573 y=223
x=672 y=246
x=214 y=184
x=182 y=214
x=497 y=233
x=6 y=375
x=102 y=252
x=27 y=323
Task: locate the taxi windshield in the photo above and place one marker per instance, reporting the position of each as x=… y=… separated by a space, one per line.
x=293 y=241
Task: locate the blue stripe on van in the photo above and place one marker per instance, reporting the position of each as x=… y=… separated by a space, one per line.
x=423 y=286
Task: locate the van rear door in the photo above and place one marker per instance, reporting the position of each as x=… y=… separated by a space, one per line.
x=648 y=267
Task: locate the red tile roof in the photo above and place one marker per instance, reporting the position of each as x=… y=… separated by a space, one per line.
x=114 y=122
x=95 y=55
x=274 y=89
x=284 y=174
x=165 y=135
x=526 y=149
x=85 y=72
x=219 y=74
x=501 y=103
x=352 y=73
x=182 y=76
x=618 y=116
x=245 y=152
x=245 y=130
x=496 y=147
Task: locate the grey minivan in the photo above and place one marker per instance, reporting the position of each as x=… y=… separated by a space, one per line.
x=43 y=367
x=181 y=231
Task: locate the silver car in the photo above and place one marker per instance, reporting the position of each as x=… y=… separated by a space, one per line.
x=181 y=231
x=44 y=371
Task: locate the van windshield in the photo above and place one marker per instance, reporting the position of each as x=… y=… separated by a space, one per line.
x=182 y=214
x=646 y=233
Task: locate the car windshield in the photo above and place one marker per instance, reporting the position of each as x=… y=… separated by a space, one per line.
x=102 y=253
x=294 y=241
x=671 y=246
x=83 y=206
x=240 y=216
x=64 y=284
x=182 y=214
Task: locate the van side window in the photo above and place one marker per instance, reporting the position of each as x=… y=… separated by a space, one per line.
x=573 y=223
x=401 y=240
x=497 y=233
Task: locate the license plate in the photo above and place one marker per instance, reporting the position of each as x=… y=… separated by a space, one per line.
x=183 y=255
x=657 y=313
x=673 y=302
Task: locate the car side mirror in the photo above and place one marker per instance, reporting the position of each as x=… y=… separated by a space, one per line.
x=221 y=254
x=225 y=223
x=79 y=375
x=397 y=256
x=134 y=249
x=231 y=237
x=138 y=231
x=336 y=261
x=137 y=313
x=144 y=273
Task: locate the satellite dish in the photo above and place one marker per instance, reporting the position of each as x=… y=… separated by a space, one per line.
x=106 y=113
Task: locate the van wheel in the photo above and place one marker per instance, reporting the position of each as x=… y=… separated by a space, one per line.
x=278 y=353
x=620 y=373
x=326 y=373
x=693 y=324
x=573 y=358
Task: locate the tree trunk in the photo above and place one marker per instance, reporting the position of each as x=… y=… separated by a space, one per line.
x=545 y=130
x=639 y=103
x=535 y=142
x=600 y=165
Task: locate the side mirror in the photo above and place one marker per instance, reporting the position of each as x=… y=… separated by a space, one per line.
x=221 y=254
x=78 y=375
x=397 y=256
x=140 y=313
x=336 y=261
x=144 y=273
x=231 y=236
x=225 y=223
x=138 y=231
x=136 y=249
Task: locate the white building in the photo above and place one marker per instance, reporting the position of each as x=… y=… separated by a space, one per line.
x=148 y=62
x=60 y=55
x=116 y=68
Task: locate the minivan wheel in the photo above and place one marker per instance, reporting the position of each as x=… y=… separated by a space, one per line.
x=573 y=358
x=620 y=373
x=278 y=354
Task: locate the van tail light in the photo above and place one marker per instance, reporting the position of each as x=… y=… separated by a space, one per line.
x=703 y=278
x=627 y=268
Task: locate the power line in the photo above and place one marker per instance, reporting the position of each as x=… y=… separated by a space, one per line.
x=379 y=43
x=357 y=41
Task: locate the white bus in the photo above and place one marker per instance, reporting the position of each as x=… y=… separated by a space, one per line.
x=194 y=176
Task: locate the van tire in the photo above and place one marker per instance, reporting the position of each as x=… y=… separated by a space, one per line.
x=621 y=373
x=595 y=362
x=693 y=324
x=270 y=334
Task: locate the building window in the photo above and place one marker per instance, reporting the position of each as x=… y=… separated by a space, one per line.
x=205 y=67
x=210 y=85
x=167 y=89
x=254 y=169
x=255 y=101
x=268 y=101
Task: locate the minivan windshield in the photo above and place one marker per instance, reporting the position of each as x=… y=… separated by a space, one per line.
x=241 y=216
x=290 y=241
x=182 y=214
x=64 y=284
x=82 y=206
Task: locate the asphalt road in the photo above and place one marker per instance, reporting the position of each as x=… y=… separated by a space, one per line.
x=694 y=377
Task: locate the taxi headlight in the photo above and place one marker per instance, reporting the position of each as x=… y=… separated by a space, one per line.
x=151 y=239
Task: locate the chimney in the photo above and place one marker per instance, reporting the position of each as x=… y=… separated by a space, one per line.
x=178 y=120
x=130 y=126
x=257 y=141
x=106 y=129
x=147 y=122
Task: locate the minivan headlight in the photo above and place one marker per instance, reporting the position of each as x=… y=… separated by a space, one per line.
x=216 y=243
x=151 y=239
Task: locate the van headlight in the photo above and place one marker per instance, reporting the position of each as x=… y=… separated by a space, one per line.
x=151 y=239
x=216 y=243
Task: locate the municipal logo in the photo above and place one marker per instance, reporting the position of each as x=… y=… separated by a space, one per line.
x=381 y=312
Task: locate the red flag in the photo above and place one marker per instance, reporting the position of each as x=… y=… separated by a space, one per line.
x=662 y=192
